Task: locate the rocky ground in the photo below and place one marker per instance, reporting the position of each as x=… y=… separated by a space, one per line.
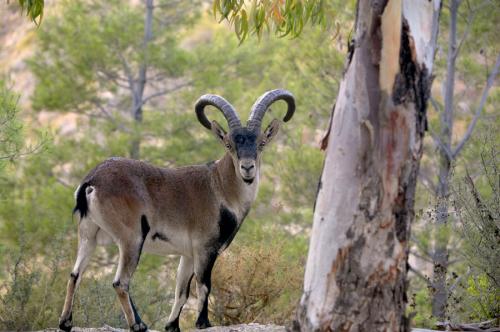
x=252 y=327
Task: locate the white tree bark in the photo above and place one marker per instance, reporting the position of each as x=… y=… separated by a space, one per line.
x=356 y=269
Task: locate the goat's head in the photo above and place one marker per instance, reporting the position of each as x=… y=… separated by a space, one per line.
x=245 y=144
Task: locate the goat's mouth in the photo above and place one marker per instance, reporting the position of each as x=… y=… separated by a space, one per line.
x=248 y=180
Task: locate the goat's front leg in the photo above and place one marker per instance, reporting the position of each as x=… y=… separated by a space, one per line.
x=184 y=275
x=203 y=264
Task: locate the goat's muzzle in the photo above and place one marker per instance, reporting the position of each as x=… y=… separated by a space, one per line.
x=248 y=170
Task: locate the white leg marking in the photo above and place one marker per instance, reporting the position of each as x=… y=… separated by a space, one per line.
x=184 y=274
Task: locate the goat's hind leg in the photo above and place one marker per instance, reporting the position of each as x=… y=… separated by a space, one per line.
x=130 y=253
x=184 y=275
x=87 y=232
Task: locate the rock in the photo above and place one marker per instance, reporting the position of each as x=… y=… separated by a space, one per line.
x=252 y=327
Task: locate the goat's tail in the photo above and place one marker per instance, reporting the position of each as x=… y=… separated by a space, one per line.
x=81 y=200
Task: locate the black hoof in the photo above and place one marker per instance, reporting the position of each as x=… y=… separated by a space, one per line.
x=139 y=327
x=203 y=324
x=66 y=324
x=173 y=326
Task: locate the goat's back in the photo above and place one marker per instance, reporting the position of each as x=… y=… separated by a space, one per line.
x=125 y=189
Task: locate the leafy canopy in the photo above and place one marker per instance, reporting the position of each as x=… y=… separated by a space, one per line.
x=284 y=17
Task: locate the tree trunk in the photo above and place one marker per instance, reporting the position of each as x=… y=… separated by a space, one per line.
x=441 y=238
x=356 y=269
x=138 y=90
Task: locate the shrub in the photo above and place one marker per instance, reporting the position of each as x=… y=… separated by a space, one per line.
x=255 y=283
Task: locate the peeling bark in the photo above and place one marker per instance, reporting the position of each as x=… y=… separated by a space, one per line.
x=356 y=270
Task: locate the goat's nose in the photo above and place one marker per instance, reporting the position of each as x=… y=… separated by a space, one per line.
x=247 y=168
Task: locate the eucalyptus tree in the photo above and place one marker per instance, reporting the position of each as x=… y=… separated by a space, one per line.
x=109 y=59
x=356 y=271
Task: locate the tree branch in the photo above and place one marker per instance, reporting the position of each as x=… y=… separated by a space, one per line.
x=108 y=116
x=484 y=97
x=114 y=78
x=166 y=91
x=425 y=259
x=441 y=145
x=420 y=275
x=435 y=104
x=427 y=182
x=160 y=93
x=422 y=249
x=20 y=154
x=63 y=182
x=130 y=75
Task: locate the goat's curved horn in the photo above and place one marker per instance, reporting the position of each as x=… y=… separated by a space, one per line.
x=222 y=105
x=260 y=107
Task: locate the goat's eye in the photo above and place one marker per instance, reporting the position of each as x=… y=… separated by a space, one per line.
x=228 y=146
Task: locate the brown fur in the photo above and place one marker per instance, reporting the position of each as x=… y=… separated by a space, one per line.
x=186 y=197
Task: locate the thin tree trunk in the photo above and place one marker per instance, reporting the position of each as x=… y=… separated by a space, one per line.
x=138 y=91
x=441 y=239
x=356 y=269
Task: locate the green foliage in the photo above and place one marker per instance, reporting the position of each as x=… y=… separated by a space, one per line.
x=483 y=296
x=283 y=17
x=73 y=76
x=34 y=9
x=31 y=287
x=419 y=307
x=11 y=140
x=300 y=175
x=477 y=204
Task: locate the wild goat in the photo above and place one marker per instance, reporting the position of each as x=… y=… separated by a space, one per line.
x=192 y=211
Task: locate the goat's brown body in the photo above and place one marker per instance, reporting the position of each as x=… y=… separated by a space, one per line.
x=180 y=204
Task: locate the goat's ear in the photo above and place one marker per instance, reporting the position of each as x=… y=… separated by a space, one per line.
x=269 y=133
x=218 y=131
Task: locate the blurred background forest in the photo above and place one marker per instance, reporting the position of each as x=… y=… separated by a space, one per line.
x=89 y=83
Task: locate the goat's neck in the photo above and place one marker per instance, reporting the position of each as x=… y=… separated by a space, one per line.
x=235 y=192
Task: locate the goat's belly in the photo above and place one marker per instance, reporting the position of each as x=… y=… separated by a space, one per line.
x=161 y=247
